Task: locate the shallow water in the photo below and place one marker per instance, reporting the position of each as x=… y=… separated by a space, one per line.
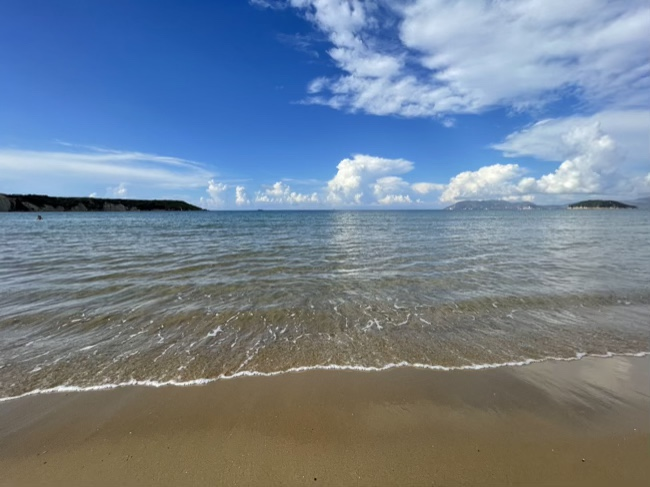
x=104 y=298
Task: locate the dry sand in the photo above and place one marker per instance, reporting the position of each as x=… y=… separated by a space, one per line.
x=556 y=423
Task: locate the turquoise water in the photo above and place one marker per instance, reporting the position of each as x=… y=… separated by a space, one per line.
x=91 y=299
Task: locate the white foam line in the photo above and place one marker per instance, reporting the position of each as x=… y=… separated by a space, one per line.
x=307 y=368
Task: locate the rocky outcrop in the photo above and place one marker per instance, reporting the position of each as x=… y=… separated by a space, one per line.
x=79 y=207
x=5 y=203
x=108 y=206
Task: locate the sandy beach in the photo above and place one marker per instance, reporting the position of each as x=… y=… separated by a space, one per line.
x=583 y=422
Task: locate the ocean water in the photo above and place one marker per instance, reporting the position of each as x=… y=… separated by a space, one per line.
x=95 y=300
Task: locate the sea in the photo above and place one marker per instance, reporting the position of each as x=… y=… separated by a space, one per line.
x=100 y=300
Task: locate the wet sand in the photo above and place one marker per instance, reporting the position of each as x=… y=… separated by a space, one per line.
x=585 y=422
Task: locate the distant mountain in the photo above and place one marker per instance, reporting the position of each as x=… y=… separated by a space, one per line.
x=643 y=203
x=599 y=205
x=42 y=203
x=493 y=205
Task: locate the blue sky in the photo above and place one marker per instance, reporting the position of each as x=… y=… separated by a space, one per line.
x=326 y=103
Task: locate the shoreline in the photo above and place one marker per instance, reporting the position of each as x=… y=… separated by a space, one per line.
x=65 y=389
x=578 y=422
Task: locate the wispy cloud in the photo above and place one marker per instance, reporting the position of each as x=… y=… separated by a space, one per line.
x=272 y=4
x=120 y=191
x=301 y=42
x=130 y=156
x=64 y=172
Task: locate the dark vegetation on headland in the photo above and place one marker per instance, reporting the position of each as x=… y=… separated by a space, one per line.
x=42 y=203
x=599 y=205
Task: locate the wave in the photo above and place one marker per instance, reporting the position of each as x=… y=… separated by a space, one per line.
x=356 y=368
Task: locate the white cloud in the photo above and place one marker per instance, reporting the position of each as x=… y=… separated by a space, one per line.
x=488 y=182
x=591 y=170
x=642 y=185
x=119 y=191
x=358 y=177
x=466 y=56
x=67 y=172
x=547 y=140
x=295 y=198
x=241 y=198
x=517 y=198
x=360 y=181
x=278 y=190
x=391 y=190
x=592 y=166
x=281 y=194
x=395 y=199
x=389 y=185
x=426 y=188
x=104 y=154
x=216 y=191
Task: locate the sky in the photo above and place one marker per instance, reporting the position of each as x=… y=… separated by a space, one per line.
x=326 y=104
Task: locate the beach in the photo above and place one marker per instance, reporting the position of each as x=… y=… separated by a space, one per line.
x=325 y=348
x=581 y=422
x=324 y=242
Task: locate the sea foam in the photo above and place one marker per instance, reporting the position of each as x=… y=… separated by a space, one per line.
x=330 y=367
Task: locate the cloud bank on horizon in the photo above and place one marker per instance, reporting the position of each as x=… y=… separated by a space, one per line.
x=442 y=60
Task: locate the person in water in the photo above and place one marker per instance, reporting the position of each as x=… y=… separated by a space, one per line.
x=39 y=217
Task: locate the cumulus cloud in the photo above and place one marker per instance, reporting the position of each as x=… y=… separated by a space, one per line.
x=547 y=140
x=604 y=153
x=395 y=199
x=488 y=182
x=591 y=166
x=241 y=198
x=592 y=169
x=360 y=181
x=216 y=190
x=465 y=56
x=360 y=176
x=391 y=190
x=426 y=188
x=280 y=194
x=389 y=185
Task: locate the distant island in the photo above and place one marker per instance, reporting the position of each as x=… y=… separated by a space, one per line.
x=42 y=203
x=498 y=205
x=599 y=205
x=492 y=205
